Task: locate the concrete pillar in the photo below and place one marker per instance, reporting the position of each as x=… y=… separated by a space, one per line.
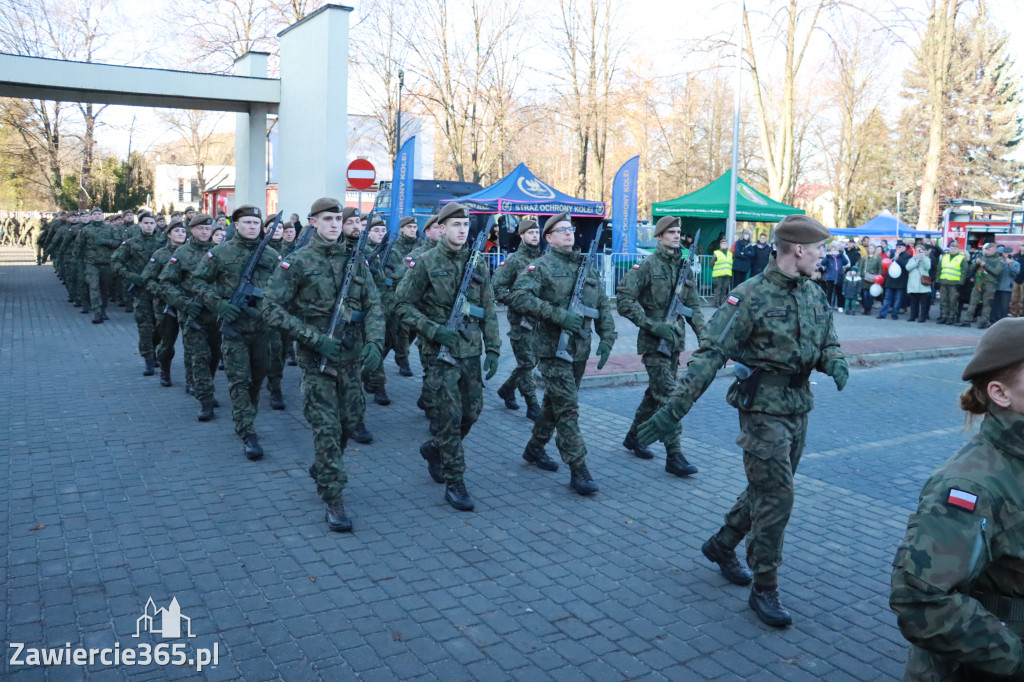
x=313 y=116
x=251 y=139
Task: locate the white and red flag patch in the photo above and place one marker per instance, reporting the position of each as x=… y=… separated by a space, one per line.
x=531 y=267
x=285 y=264
x=732 y=300
x=962 y=499
x=412 y=263
x=173 y=259
x=209 y=254
x=636 y=266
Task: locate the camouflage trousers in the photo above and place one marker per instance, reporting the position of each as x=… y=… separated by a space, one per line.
x=772 y=446
x=202 y=354
x=522 y=376
x=99 y=279
x=560 y=411
x=980 y=296
x=377 y=378
x=77 y=289
x=458 y=393
x=333 y=406
x=275 y=361
x=246 y=361
x=426 y=396
x=949 y=301
x=145 y=321
x=404 y=336
x=167 y=329
x=721 y=286
x=661 y=381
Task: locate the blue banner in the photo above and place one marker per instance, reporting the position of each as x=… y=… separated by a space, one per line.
x=624 y=195
x=401 y=185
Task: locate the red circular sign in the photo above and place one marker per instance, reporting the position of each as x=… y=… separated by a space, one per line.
x=361 y=174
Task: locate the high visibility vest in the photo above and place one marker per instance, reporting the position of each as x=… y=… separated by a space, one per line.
x=723 y=264
x=951 y=267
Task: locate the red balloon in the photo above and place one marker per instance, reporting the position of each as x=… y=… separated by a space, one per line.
x=879 y=279
x=886 y=262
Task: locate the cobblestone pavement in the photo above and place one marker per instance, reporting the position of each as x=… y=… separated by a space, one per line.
x=113 y=494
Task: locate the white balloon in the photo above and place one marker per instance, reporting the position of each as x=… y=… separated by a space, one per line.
x=876 y=290
x=895 y=270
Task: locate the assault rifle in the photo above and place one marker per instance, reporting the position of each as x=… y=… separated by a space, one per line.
x=246 y=289
x=377 y=252
x=384 y=261
x=576 y=305
x=343 y=315
x=307 y=233
x=676 y=307
x=458 y=320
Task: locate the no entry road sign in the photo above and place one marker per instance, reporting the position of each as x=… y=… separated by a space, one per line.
x=361 y=174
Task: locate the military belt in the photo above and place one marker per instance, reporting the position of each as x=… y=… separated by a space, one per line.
x=787 y=380
x=1006 y=609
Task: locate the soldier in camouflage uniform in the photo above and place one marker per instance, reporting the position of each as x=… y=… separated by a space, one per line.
x=73 y=248
x=166 y=322
x=779 y=326
x=50 y=233
x=643 y=297
x=275 y=368
x=408 y=240
x=426 y=298
x=520 y=329
x=300 y=300
x=957 y=579
x=36 y=229
x=100 y=241
x=375 y=381
x=129 y=261
x=201 y=337
x=987 y=271
x=432 y=233
x=247 y=351
x=543 y=294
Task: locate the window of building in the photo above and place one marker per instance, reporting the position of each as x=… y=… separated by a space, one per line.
x=181 y=190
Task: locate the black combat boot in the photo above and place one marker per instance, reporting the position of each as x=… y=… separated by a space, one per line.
x=941 y=320
x=337 y=519
x=631 y=443
x=404 y=370
x=253 y=450
x=533 y=411
x=765 y=603
x=421 y=403
x=456 y=495
x=97 y=318
x=676 y=464
x=581 y=480
x=429 y=452
x=85 y=310
x=165 y=377
x=508 y=394
x=362 y=434
x=290 y=359
x=150 y=367
x=535 y=454
x=728 y=563
x=380 y=396
x=276 y=400
x=205 y=412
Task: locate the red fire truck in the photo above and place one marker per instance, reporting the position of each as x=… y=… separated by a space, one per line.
x=972 y=222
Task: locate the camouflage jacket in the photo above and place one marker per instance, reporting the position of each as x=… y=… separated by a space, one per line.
x=218 y=273
x=151 y=273
x=546 y=287
x=427 y=293
x=55 y=238
x=505 y=278
x=176 y=285
x=100 y=242
x=395 y=268
x=133 y=255
x=386 y=291
x=50 y=233
x=965 y=543
x=645 y=293
x=69 y=245
x=775 y=322
x=989 y=268
x=300 y=298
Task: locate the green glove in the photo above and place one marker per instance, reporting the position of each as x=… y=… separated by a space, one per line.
x=604 y=350
x=490 y=365
x=371 y=357
x=657 y=427
x=137 y=280
x=193 y=308
x=840 y=372
x=446 y=337
x=329 y=347
x=228 y=312
x=663 y=330
x=570 y=322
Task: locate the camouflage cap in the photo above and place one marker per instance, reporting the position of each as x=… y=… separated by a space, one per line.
x=246 y=211
x=550 y=223
x=666 y=223
x=200 y=219
x=801 y=229
x=998 y=348
x=452 y=210
x=325 y=204
x=525 y=225
x=406 y=220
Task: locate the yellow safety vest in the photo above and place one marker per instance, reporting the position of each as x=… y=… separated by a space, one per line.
x=723 y=264
x=951 y=267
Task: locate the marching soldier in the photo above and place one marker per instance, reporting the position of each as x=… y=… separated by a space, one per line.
x=426 y=297
x=408 y=239
x=100 y=241
x=543 y=294
x=779 y=326
x=275 y=369
x=375 y=381
x=643 y=296
x=432 y=233
x=247 y=347
x=987 y=270
x=300 y=301
x=167 y=326
x=129 y=261
x=520 y=331
x=952 y=275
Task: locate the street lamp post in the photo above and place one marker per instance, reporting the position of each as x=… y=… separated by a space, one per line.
x=398 y=123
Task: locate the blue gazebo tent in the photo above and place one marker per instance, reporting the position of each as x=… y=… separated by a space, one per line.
x=885 y=224
x=522 y=193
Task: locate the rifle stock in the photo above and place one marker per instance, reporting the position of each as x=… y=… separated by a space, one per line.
x=576 y=305
x=676 y=307
x=458 y=319
x=245 y=288
x=342 y=315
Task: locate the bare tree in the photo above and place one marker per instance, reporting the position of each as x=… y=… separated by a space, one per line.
x=197 y=130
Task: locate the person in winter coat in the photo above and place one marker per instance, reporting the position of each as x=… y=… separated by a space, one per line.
x=870 y=266
x=759 y=253
x=896 y=287
x=741 y=259
x=918 y=268
x=834 y=266
x=1001 y=301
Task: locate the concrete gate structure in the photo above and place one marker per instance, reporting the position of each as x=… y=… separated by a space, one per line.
x=310 y=99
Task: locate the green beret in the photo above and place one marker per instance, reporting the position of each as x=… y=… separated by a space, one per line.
x=525 y=225
x=801 y=229
x=452 y=210
x=999 y=347
x=145 y=214
x=406 y=220
x=349 y=212
x=200 y=219
x=554 y=220
x=665 y=223
x=96 y=209
x=431 y=221
x=325 y=204
x=173 y=224
x=189 y=208
x=246 y=211
x=376 y=220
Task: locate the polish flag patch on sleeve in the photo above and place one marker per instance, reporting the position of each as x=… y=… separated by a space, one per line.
x=962 y=499
x=531 y=268
x=285 y=264
x=209 y=254
x=152 y=260
x=412 y=263
x=636 y=266
x=732 y=300
x=173 y=259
